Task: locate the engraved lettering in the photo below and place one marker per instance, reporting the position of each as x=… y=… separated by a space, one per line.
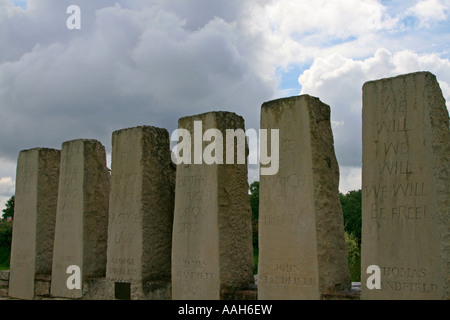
x=397 y=125
x=395 y=167
x=410 y=213
x=410 y=189
x=376 y=190
x=396 y=148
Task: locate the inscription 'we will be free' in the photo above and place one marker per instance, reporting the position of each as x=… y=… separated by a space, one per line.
x=399 y=177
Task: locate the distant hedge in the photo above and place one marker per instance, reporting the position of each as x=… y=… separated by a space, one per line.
x=5 y=244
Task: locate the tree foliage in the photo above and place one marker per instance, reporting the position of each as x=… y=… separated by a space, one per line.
x=6 y=226
x=351 y=207
x=6 y=234
x=254 y=199
x=254 y=204
x=5 y=244
x=354 y=252
x=9 y=209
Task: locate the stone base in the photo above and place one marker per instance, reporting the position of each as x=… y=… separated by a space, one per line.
x=4 y=275
x=157 y=290
x=351 y=295
x=106 y=289
x=4 y=283
x=97 y=289
x=42 y=286
x=251 y=294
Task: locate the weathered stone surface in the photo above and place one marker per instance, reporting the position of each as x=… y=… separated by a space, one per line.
x=4 y=275
x=34 y=219
x=82 y=214
x=302 y=248
x=3 y=293
x=4 y=283
x=97 y=289
x=42 y=287
x=250 y=294
x=141 y=208
x=212 y=245
x=406 y=190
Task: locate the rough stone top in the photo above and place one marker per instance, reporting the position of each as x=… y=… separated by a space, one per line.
x=317 y=109
x=320 y=110
x=289 y=99
x=40 y=149
x=412 y=74
x=82 y=140
x=216 y=113
x=143 y=127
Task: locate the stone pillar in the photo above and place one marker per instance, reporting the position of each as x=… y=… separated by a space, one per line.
x=34 y=219
x=405 y=187
x=302 y=248
x=212 y=237
x=82 y=215
x=141 y=214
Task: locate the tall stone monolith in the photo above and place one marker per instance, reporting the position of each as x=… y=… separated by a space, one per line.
x=212 y=237
x=34 y=219
x=141 y=214
x=302 y=248
x=81 y=218
x=405 y=189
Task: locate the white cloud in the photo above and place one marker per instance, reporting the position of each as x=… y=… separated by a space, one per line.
x=7 y=180
x=7 y=189
x=297 y=31
x=131 y=64
x=338 y=82
x=7 y=186
x=429 y=11
x=350 y=179
x=333 y=18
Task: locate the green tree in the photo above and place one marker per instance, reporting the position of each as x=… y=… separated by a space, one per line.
x=351 y=207
x=254 y=199
x=6 y=234
x=354 y=257
x=9 y=209
x=5 y=244
x=254 y=204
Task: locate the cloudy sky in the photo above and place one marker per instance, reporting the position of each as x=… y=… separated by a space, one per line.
x=151 y=62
